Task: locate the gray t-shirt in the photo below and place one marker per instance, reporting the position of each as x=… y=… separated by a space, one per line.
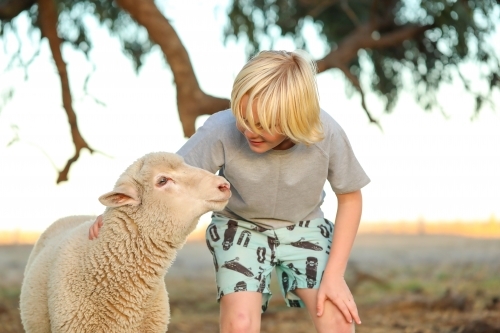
x=279 y=187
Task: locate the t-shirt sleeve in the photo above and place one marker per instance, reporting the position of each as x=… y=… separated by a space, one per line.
x=205 y=148
x=345 y=174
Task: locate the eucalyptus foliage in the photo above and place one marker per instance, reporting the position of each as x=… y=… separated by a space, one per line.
x=72 y=27
x=455 y=32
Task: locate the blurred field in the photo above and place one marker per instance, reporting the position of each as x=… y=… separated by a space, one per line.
x=480 y=229
x=489 y=228
x=402 y=283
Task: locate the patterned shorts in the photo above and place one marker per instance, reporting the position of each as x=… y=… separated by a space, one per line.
x=245 y=254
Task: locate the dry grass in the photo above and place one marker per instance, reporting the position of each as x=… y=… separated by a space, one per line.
x=404 y=283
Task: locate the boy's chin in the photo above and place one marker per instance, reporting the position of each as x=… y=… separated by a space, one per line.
x=260 y=149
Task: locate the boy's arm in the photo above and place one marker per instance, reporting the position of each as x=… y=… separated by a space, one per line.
x=333 y=286
x=94 y=228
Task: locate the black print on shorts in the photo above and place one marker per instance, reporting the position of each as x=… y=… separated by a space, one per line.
x=304 y=223
x=294 y=269
x=284 y=282
x=261 y=279
x=306 y=245
x=273 y=244
x=311 y=271
x=328 y=249
x=211 y=249
x=294 y=303
x=261 y=254
x=264 y=307
x=234 y=265
x=219 y=292
x=240 y=286
x=244 y=234
x=329 y=224
x=262 y=286
x=229 y=234
x=291 y=227
x=258 y=228
x=214 y=235
x=324 y=231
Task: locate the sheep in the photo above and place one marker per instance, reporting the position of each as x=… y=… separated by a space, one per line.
x=115 y=283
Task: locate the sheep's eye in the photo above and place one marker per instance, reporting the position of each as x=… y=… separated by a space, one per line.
x=163 y=180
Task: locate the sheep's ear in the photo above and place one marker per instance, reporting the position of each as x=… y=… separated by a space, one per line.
x=120 y=196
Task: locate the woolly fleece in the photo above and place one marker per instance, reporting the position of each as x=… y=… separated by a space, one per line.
x=115 y=283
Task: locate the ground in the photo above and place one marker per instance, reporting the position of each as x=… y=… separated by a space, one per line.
x=401 y=283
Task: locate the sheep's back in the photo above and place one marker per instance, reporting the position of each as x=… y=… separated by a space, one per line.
x=69 y=285
x=69 y=281
x=43 y=259
x=55 y=234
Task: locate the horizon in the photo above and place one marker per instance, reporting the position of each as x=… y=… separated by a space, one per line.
x=487 y=229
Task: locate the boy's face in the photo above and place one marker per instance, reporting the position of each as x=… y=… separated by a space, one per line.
x=261 y=141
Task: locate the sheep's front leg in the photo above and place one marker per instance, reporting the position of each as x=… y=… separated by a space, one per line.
x=157 y=313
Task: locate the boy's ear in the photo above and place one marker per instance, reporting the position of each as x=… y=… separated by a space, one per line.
x=123 y=194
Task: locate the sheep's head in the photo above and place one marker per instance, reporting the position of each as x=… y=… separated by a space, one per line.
x=165 y=196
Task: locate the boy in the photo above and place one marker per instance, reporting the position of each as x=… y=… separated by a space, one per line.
x=277 y=148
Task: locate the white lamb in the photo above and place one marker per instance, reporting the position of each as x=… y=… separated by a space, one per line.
x=116 y=282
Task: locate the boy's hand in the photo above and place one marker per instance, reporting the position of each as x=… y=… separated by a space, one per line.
x=335 y=290
x=94 y=228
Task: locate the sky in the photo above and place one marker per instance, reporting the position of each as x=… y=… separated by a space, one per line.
x=422 y=166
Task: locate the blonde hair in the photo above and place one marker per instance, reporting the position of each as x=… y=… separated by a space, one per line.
x=283 y=84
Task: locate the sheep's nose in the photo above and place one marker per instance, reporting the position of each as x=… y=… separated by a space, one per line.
x=224 y=187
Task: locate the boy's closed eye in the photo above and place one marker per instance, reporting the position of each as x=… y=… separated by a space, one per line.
x=257 y=126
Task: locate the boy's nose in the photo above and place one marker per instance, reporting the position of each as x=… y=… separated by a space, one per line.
x=250 y=135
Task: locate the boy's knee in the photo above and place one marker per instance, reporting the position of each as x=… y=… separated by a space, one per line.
x=336 y=319
x=241 y=312
x=239 y=323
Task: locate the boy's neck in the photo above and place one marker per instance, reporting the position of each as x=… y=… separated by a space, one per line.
x=286 y=144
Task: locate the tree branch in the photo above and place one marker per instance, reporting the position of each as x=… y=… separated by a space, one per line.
x=11 y=8
x=373 y=12
x=191 y=100
x=349 y=12
x=361 y=38
x=395 y=38
x=48 y=18
x=86 y=90
x=355 y=82
x=317 y=6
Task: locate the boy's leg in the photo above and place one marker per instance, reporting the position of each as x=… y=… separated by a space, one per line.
x=332 y=320
x=242 y=261
x=304 y=252
x=240 y=312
